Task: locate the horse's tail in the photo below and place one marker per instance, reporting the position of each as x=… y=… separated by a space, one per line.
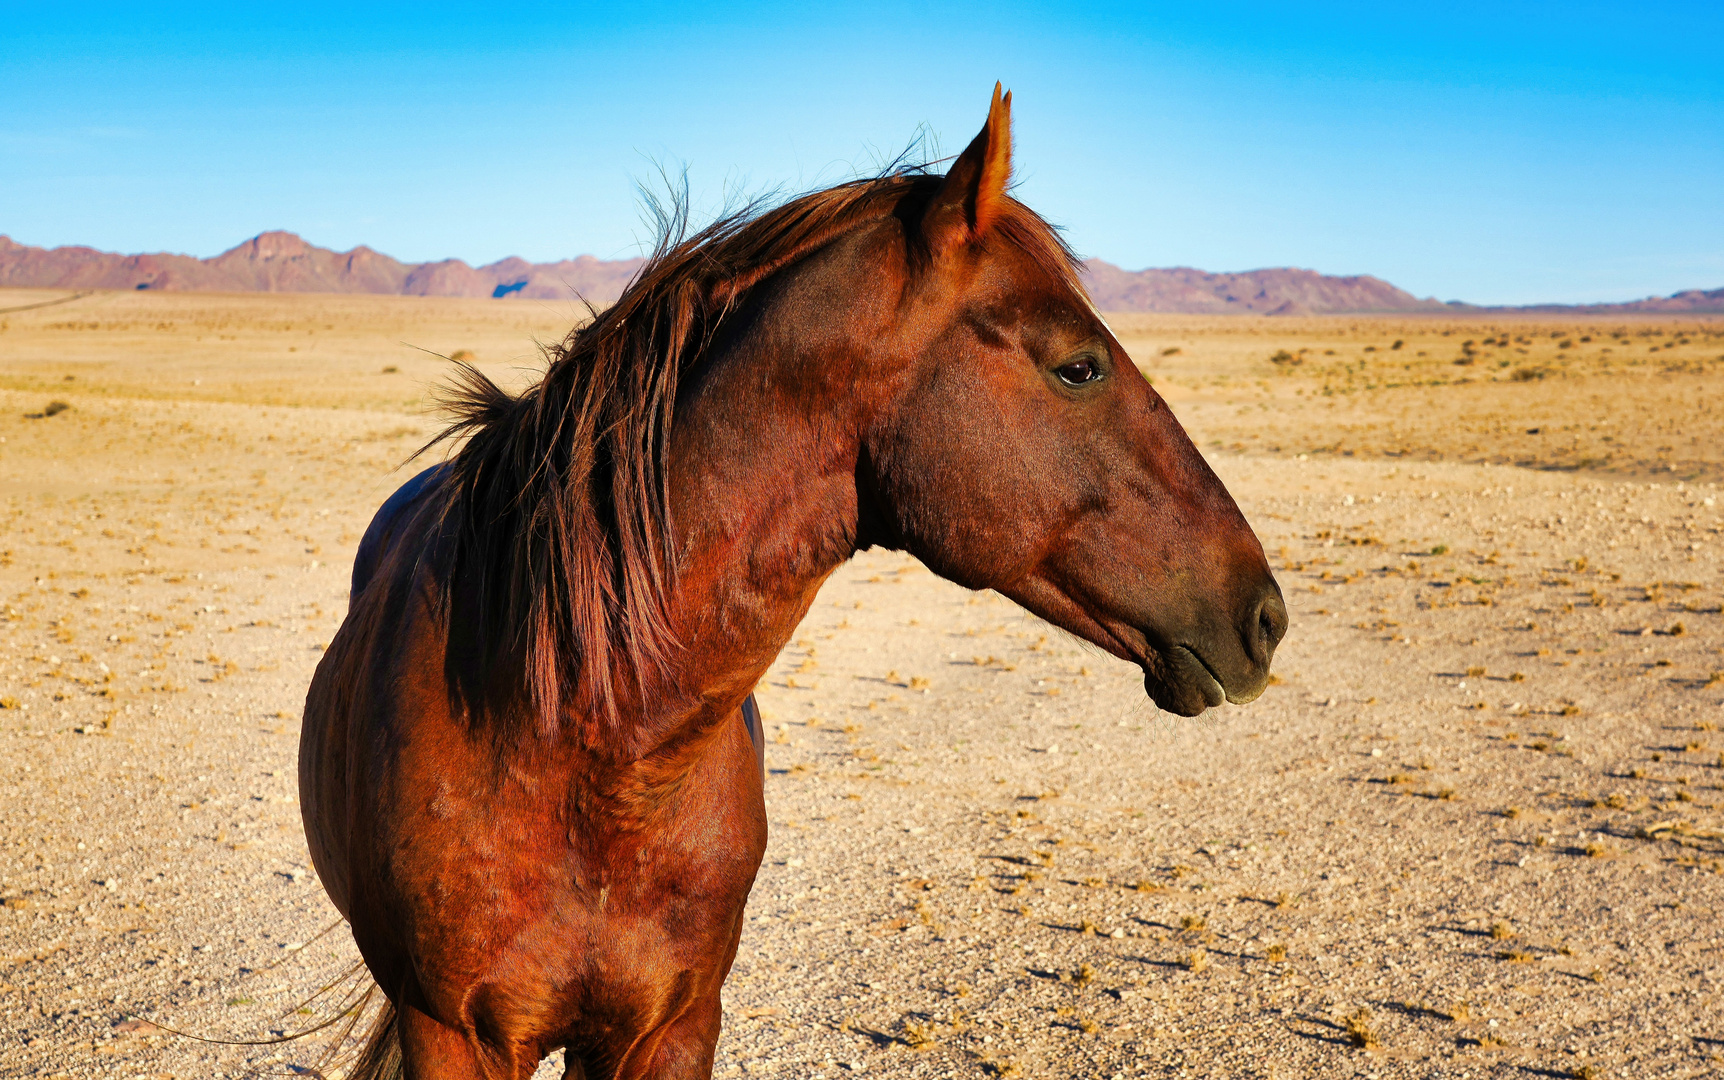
x=380 y=1057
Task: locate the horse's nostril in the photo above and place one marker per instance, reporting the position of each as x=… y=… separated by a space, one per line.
x=1271 y=621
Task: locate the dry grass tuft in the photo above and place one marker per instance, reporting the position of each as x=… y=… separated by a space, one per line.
x=1196 y=961
x=1501 y=931
x=920 y=1035
x=1359 y=1030
x=1276 y=954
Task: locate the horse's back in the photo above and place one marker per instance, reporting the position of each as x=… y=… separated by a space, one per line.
x=386 y=525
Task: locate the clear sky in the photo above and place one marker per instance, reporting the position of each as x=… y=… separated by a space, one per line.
x=1498 y=153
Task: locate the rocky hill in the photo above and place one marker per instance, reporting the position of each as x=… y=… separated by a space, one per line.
x=284 y=262
x=1285 y=291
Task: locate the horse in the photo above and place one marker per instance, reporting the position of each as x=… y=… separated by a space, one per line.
x=528 y=774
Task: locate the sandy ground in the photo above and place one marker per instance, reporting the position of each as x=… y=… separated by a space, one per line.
x=1473 y=830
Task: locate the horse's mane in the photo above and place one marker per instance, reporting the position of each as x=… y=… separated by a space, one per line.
x=557 y=504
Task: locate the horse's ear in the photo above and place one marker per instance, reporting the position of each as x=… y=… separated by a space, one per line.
x=974 y=193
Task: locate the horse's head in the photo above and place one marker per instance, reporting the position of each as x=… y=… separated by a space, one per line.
x=1026 y=453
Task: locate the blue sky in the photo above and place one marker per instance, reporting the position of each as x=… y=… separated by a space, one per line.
x=1504 y=153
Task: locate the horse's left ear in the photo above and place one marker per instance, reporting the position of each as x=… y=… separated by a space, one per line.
x=974 y=193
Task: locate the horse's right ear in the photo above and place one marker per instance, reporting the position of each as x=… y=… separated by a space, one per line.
x=974 y=193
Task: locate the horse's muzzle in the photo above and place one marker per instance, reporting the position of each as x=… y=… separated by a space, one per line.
x=1231 y=664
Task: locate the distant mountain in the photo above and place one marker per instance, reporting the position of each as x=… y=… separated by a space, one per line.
x=283 y=262
x=1687 y=302
x=1260 y=292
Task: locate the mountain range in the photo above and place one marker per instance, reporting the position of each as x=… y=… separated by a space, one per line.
x=283 y=262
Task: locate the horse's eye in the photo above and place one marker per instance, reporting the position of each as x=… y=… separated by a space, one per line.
x=1078 y=372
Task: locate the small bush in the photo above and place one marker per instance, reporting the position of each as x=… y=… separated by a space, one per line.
x=1285 y=358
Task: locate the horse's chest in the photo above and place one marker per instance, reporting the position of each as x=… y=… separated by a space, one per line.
x=535 y=896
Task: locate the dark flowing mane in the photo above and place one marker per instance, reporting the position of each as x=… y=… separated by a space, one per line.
x=557 y=504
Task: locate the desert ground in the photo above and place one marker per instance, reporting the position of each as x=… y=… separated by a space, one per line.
x=1474 y=829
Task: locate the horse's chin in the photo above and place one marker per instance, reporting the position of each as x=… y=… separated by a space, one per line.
x=1185 y=685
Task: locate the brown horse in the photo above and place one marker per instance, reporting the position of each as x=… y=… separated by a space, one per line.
x=525 y=774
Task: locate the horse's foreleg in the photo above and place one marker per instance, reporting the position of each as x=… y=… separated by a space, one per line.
x=432 y=1050
x=680 y=1050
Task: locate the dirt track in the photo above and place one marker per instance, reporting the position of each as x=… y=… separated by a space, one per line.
x=1475 y=828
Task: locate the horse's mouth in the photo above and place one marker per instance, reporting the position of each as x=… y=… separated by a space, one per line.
x=1195 y=685
x=1176 y=677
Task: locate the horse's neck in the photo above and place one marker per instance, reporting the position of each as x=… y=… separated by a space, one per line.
x=763 y=495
